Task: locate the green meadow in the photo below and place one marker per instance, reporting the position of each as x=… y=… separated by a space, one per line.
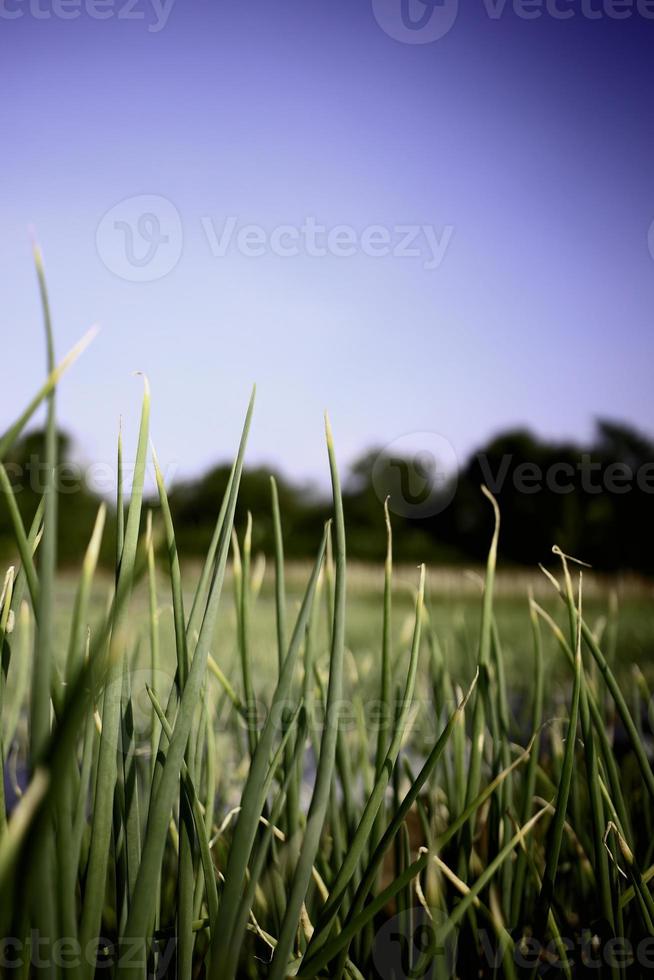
x=226 y=769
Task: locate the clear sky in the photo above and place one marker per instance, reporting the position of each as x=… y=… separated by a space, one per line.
x=516 y=153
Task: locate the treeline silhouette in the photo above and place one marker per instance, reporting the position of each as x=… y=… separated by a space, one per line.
x=594 y=501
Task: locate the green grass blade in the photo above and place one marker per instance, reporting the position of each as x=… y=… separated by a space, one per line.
x=22 y=542
x=9 y=438
x=280 y=585
x=355 y=925
x=120 y=500
x=556 y=830
x=111 y=713
x=138 y=926
x=253 y=797
x=371 y=809
x=198 y=819
x=43 y=652
x=42 y=888
x=5 y=611
x=320 y=798
x=77 y=639
x=401 y=812
x=479 y=714
x=530 y=774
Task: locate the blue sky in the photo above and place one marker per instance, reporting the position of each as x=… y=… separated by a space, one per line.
x=521 y=148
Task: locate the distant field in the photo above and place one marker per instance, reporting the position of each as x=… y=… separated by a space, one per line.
x=454 y=607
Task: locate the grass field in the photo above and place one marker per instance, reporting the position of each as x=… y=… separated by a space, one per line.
x=619 y=608
x=316 y=771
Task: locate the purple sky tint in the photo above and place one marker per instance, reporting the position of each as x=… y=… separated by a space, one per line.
x=523 y=146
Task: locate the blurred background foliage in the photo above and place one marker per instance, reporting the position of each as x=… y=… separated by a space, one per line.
x=602 y=515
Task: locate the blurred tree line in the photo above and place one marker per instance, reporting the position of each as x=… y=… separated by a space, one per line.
x=595 y=502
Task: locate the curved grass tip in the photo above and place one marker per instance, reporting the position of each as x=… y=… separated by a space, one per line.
x=78 y=349
x=37 y=252
x=466 y=697
x=155 y=460
x=146 y=383
x=328 y=431
x=561 y=554
x=489 y=496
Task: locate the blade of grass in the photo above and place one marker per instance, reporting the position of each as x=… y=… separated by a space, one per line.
x=353 y=926
x=43 y=652
x=293 y=790
x=138 y=927
x=11 y=712
x=262 y=849
x=374 y=864
x=77 y=641
x=5 y=610
x=22 y=542
x=8 y=440
x=371 y=809
x=253 y=796
x=385 y=673
x=479 y=714
x=198 y=819
x=616 y=693
x=242 y=582
x=153 y=615
x=530 y=774
x=107 y=760
x=320 y=799
x=555 y=837
x=42 y=888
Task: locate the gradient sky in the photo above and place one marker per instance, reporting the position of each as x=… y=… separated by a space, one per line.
x=531 y=139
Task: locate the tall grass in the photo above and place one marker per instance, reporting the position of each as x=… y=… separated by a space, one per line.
x=307 y=829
